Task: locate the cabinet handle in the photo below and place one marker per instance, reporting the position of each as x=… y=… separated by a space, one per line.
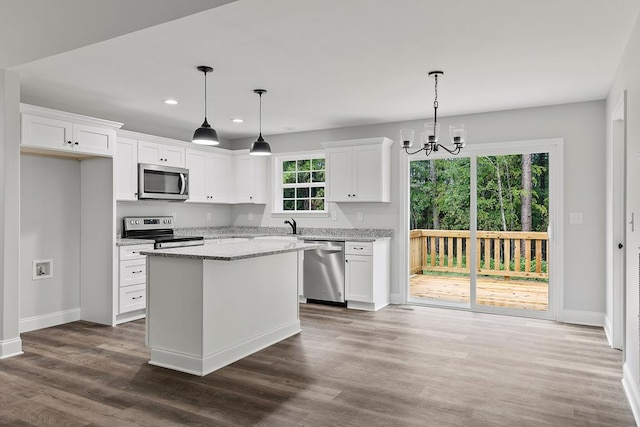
x=69 y=142
x=136 y=272
x=138 y=297
x=346 y=260
x=76 y=143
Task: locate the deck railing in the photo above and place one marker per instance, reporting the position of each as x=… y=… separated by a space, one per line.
x=498 y=253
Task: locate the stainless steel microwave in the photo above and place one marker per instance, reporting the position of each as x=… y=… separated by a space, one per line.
x=156 y=182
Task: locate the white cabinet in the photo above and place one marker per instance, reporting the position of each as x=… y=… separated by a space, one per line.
x=209 y=176
x=132 y=283
x=161 y=154
x=55 y=132
x=250 y=178
x=126 y=169
x=367 y=274
x=359 y=170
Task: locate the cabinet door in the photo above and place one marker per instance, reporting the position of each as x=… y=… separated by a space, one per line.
x=173 y=156
x=126 y=169
x=251 y=179
x=259 y=191
x=93 y=140
x=133 y=298
x=367 y=174
x=46 y=133
x=358 y=278
x=339 y=175
x=197 y=165
x=220 y=178
x=148 y=152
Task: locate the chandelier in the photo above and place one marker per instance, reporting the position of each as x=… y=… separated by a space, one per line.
x=432 y=130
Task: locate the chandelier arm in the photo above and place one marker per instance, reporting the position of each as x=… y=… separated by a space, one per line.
x=455 y=151
x=406 y=150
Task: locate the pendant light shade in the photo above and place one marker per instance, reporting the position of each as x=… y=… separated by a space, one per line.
x=260 y=147
x=205 y=134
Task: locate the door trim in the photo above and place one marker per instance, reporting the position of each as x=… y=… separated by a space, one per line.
x=615 y=226
x=555 y=147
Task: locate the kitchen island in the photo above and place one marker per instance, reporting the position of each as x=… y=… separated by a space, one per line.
x=208 y=306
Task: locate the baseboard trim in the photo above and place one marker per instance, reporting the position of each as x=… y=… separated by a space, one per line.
x=631 y=390
x=580 y=317
x=203 y=365
x=47 y=320
x=608 y=330
x=10 y=348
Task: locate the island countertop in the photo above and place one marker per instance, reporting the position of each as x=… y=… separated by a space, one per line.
x=234 y=251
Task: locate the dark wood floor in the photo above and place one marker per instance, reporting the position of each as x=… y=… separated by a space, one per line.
x=399 y=366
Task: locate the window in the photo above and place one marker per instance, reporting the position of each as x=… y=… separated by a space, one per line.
x=300 y=181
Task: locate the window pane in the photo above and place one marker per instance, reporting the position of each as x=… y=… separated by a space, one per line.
x=317 y=191
x=302 y=193
x=317 y=204
x=318 y=176
x=288 y=205
x=288 y=193
x=302 y=205
x=289 y=166
x=304 y=177
x=289 y=178
x=304 y=165
x=318 y=164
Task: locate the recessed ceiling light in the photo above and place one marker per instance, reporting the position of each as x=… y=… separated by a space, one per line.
x=237 y=120
x=170 y=101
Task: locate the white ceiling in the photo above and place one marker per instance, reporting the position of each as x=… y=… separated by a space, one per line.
x=331 y=63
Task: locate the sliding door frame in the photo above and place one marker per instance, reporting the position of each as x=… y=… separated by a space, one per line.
x=556 y=196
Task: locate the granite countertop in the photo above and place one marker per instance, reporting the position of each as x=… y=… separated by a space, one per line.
x=233 y=251
x=308 y=233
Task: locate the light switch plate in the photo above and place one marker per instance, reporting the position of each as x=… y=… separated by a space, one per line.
x=360 y=216
x=576 y=218
x=250 y=216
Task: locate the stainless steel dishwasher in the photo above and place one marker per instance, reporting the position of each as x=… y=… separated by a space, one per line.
x=324 y=272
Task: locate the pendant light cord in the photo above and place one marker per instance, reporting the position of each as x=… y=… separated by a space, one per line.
x=205 y=95
x=435 y=102
x=260 y=114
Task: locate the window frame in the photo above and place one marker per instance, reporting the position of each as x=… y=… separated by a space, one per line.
x=278 y=186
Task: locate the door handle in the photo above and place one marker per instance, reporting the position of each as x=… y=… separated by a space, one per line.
x=183 y=183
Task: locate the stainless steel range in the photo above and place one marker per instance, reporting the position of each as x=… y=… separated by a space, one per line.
x=159 y=229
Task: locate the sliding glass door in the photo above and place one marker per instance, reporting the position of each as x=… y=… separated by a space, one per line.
x=479 y=230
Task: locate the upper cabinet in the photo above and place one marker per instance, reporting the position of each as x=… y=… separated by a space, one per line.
x=126 y=168
x=47 y=131
x=209 y=176
x=359 y=170
x=161 y=154
x=250 y=178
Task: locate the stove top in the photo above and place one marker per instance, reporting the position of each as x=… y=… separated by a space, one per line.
x=159 y=229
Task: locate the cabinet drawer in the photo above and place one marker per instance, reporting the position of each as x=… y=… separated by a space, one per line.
x=133 y=298
x=355 y=248
x=133 y=272
x=133 y=251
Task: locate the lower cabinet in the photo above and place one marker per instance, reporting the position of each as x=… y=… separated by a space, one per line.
x=367 y=274
x=132 y=281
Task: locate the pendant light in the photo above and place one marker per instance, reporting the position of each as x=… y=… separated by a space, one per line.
x=260 y=147
x=205 y=134
x=432 y=130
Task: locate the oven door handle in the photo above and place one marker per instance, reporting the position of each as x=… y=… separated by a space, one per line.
x=183 y=183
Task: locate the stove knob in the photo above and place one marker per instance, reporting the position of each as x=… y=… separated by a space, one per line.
x=131 y=222
x=169 y=221
x=137 y=222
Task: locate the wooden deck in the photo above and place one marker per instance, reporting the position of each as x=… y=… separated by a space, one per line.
x=491 y=291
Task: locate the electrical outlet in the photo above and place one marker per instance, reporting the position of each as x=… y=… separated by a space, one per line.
x=334 y=216
x=209 y=216
x=250 y=216
x=359 y=216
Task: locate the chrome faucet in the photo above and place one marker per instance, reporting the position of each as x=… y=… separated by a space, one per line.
x=293 y=225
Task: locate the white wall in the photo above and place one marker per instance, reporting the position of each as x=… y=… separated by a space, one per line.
x=581 y=125
x=187 y=214
x=49 y=229
x=627 y=77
